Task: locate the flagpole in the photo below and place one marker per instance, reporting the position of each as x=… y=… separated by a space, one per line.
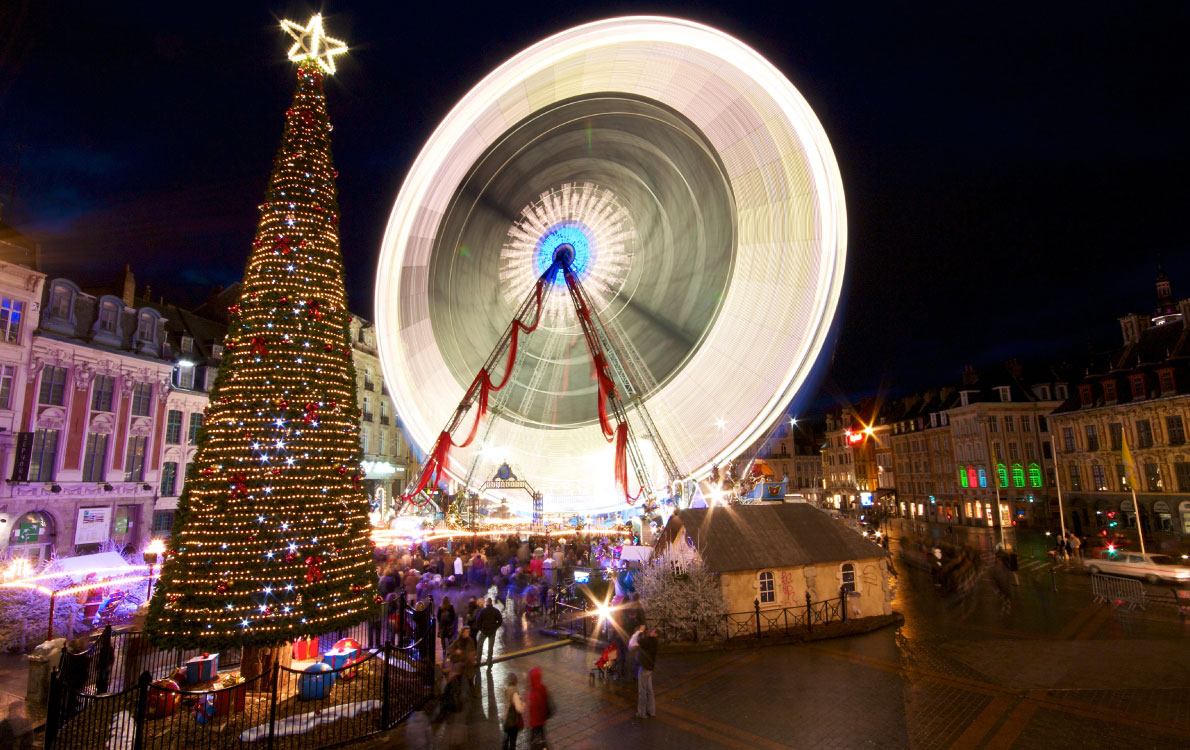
x=1058 y=482
x=1140 y=532
x=1131 y=474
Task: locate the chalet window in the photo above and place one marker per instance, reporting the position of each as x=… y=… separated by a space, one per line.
x=768 y=591
x=847 y=571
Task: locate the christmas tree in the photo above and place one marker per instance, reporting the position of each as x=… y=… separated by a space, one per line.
x=270 y=540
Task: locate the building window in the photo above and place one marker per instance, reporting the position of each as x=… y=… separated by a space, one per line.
x=1138 y=386
x=187 y=344
x=1014 y=452
x=103 y=389
x=1098 y=477
x=142 y=398
x=53 y=385
x=963 y=476
x=1084 y=395
x=146 y=328
x=365 y=439
x=768 y=591
x=1004 y=392
x=1165 y=379
x=1068 y=439
x=1002 y=473
x=1030 y=451
x=45 y=454
x=1018 y=476
x=184 y=376
x=993 y=424
x=1109 y=391
x=1115 y=431
x=216 y=351
x=169 y=478
x=1181 y=470
x=1035 y=475
x=380 y=437
x=163 y=522
x=848 y=572
x=1122 y=473
x=983 y=478
x=1076 y=481
x=1144 y=434
x=173 y=427
x=1153 y=481
x=61 y=303
x=134 y=461
x=1175 y=430
x=109 y=316
x=10 y=319
x=94 y=457
x=8 y=374
x=1092 y=438
x=196 y=422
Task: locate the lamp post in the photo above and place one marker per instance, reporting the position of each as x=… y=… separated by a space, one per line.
x=153 y=552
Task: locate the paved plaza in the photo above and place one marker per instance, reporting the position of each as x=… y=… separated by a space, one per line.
x=1055 y=670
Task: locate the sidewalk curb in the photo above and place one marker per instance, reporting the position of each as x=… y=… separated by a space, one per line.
x=858 y=626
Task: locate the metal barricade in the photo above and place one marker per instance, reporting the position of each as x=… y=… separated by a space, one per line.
x=1118 y=590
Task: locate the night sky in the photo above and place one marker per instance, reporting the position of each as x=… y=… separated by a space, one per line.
x=1013 y=173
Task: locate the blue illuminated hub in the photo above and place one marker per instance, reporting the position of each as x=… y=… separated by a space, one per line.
x=573 y=234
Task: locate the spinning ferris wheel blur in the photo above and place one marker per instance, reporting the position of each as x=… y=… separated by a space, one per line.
x=699 y=207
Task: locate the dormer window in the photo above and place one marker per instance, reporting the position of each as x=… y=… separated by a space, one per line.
x=1061 y=391
x=1109 y=391
x=1165 y=379
x=1138 y=386
x=187 y=344
x=184 y=375
x=109 y=316
x=146 y=328
x=1084 y=395
x=1043 y=392
x=216 y=351
x=62 y=302
x=1005 y=392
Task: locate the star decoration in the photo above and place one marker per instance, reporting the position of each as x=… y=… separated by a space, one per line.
x=312 y=43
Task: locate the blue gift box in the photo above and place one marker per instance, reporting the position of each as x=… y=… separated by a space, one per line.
x=340 y=657
x=202 y=668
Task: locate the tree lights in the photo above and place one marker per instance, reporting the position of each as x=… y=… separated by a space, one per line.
x=270 y=539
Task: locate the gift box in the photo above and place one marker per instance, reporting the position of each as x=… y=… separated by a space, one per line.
x=230 y=700
x=338 y=658
x=202 y=668
x=305 y=650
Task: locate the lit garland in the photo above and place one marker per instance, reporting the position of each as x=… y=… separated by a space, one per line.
x=270 y=539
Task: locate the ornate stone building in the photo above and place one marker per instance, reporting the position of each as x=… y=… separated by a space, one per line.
x=1140 y=394
x=857 y=460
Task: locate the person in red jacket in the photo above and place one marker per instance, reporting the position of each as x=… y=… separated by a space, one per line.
x=541 y=708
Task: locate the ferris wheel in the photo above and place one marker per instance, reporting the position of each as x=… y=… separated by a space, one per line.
x=655 y=173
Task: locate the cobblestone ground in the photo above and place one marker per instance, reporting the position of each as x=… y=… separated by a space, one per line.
x=1053 y=670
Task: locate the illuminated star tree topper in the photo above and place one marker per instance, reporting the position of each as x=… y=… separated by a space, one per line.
x=312 y=43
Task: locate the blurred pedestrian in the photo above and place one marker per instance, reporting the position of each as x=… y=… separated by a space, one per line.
x=514 y=716
x=541 y=709
x=448 y=622
x=646 y=702
x=488 y=623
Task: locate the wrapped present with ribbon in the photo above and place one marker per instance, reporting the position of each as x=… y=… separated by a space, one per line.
x=202 y=668
x=305 y=649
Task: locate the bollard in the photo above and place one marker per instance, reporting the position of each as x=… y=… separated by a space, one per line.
x=756 y=605
x=809 y=614
x=843 y=601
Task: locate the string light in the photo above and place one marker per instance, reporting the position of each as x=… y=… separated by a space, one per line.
x=271 y=534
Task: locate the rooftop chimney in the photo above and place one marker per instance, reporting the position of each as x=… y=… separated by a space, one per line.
x=127 y=286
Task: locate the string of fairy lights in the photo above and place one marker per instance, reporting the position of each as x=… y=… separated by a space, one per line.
x=271 y=536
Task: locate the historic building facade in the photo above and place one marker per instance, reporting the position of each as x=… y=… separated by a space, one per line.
x=388 y=459
x=857 y=459
x=1138 y=395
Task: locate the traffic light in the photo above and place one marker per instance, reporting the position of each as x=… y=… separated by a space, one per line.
x=1111 y=519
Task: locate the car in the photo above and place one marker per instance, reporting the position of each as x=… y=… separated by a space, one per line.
x=1152 y=567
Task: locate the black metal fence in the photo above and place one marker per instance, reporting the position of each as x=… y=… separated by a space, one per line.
x=760 y=623
x=282 y=707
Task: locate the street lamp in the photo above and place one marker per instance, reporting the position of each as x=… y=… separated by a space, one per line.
x=154 y=551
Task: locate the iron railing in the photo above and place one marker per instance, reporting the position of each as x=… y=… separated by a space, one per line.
x=282 y=707
x=760 y=623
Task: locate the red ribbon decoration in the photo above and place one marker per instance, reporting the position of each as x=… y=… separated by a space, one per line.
x=311 y=413
x=436 y=465
x=313 y=572
x=313 y=310
x=258 y=346
x=239 y=485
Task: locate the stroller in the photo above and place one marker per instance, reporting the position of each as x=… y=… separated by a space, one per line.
x=607 y=665
x=531 y=601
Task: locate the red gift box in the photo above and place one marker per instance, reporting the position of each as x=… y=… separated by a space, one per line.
x=305 y=650
x=230 y=700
